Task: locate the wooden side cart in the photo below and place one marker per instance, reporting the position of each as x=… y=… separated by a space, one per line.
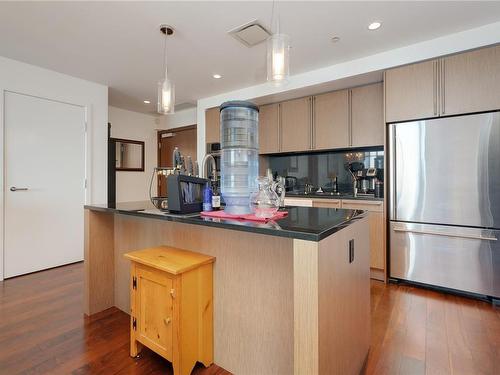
x=171 y=305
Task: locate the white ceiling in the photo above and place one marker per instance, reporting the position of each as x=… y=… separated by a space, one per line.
x=118 y=43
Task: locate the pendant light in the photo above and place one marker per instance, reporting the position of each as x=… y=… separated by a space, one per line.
x=278 y=55
x=166 y=89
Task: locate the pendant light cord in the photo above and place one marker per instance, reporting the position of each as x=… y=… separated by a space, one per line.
x=165 y=54
x=272 y=17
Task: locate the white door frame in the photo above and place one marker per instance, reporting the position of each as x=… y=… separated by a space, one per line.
x=88 y=159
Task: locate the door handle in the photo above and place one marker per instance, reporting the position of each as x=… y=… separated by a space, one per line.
x=434 y=233
x=13 y=188
x=351 y=250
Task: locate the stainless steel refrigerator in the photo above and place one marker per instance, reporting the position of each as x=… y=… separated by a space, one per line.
x=445 y=202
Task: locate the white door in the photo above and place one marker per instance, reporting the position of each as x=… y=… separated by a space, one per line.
x=44 y=183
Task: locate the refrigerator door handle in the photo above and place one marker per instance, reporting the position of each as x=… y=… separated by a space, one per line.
x=436 y=233
x=392 y=171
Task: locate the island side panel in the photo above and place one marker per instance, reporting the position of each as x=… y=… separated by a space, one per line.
x=305 y=304
x=253 y=288
x=98 y=261
x=344 y=300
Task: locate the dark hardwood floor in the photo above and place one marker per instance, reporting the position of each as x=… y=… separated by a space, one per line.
x=419 y=331
x=43 y=331
x=414 y=331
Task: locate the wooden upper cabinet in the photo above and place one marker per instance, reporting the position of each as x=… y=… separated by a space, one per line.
x=212 y=125
x=367 y=115
x=471 y=82
x=269 y=129
x=411 y=92
x=331 y=120
x=296 y=125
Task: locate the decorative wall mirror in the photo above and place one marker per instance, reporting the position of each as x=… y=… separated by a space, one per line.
x=129 y=155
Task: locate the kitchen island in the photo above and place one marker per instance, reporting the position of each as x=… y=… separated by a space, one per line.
x=291 y=296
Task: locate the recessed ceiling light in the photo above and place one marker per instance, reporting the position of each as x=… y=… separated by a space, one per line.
x=217 y=76
x=146 y=102
x=335 y=39
x=374 y=25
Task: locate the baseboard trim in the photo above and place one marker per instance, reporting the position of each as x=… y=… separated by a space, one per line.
x=377 y=274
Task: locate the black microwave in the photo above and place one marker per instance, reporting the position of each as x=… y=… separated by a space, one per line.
x=185 y=193
x=213 y=148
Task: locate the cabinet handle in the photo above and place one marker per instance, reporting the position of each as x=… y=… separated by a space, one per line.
x=351 y=250
x=167 y=321
x=280 y=136
x=349 y=104
x=435 y=84
x=443 y=90
x=374 y=203
x=313 y=122
x=310 y=124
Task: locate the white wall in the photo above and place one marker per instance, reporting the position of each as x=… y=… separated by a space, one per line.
x=134 y=186
x=179 y=119
x=28 y=79
x=453 y=43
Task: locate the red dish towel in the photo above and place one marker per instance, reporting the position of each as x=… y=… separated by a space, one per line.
x=223 y=215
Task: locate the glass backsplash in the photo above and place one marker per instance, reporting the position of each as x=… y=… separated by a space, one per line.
x=319 y=169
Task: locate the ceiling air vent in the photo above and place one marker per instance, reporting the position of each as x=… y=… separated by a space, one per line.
x=250 y=34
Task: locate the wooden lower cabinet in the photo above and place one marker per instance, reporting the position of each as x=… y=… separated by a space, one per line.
x=377 y=233
x=171 y=306
x=344 y=301
x=327 y=203
x=375 y=210
x=299 y=202
x=377 y=252
x=371 y=206
x=152 y=324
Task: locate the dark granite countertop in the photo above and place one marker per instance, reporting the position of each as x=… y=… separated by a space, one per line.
x=305 y=223
x=330 y=196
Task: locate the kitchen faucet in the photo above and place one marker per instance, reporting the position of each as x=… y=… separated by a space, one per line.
x=213 y=167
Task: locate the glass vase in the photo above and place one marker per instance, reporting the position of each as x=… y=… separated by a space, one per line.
x=264 y=202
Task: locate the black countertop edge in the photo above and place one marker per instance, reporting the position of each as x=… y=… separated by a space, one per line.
x=271 y=228
x=328 y=196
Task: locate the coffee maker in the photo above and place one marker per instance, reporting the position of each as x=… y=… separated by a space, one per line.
x=367 y=180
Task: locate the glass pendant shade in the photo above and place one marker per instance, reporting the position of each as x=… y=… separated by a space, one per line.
x=278 y=59
x=166 y=97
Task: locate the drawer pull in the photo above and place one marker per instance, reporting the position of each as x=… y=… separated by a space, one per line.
x=366 y=202
x=167 y=321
